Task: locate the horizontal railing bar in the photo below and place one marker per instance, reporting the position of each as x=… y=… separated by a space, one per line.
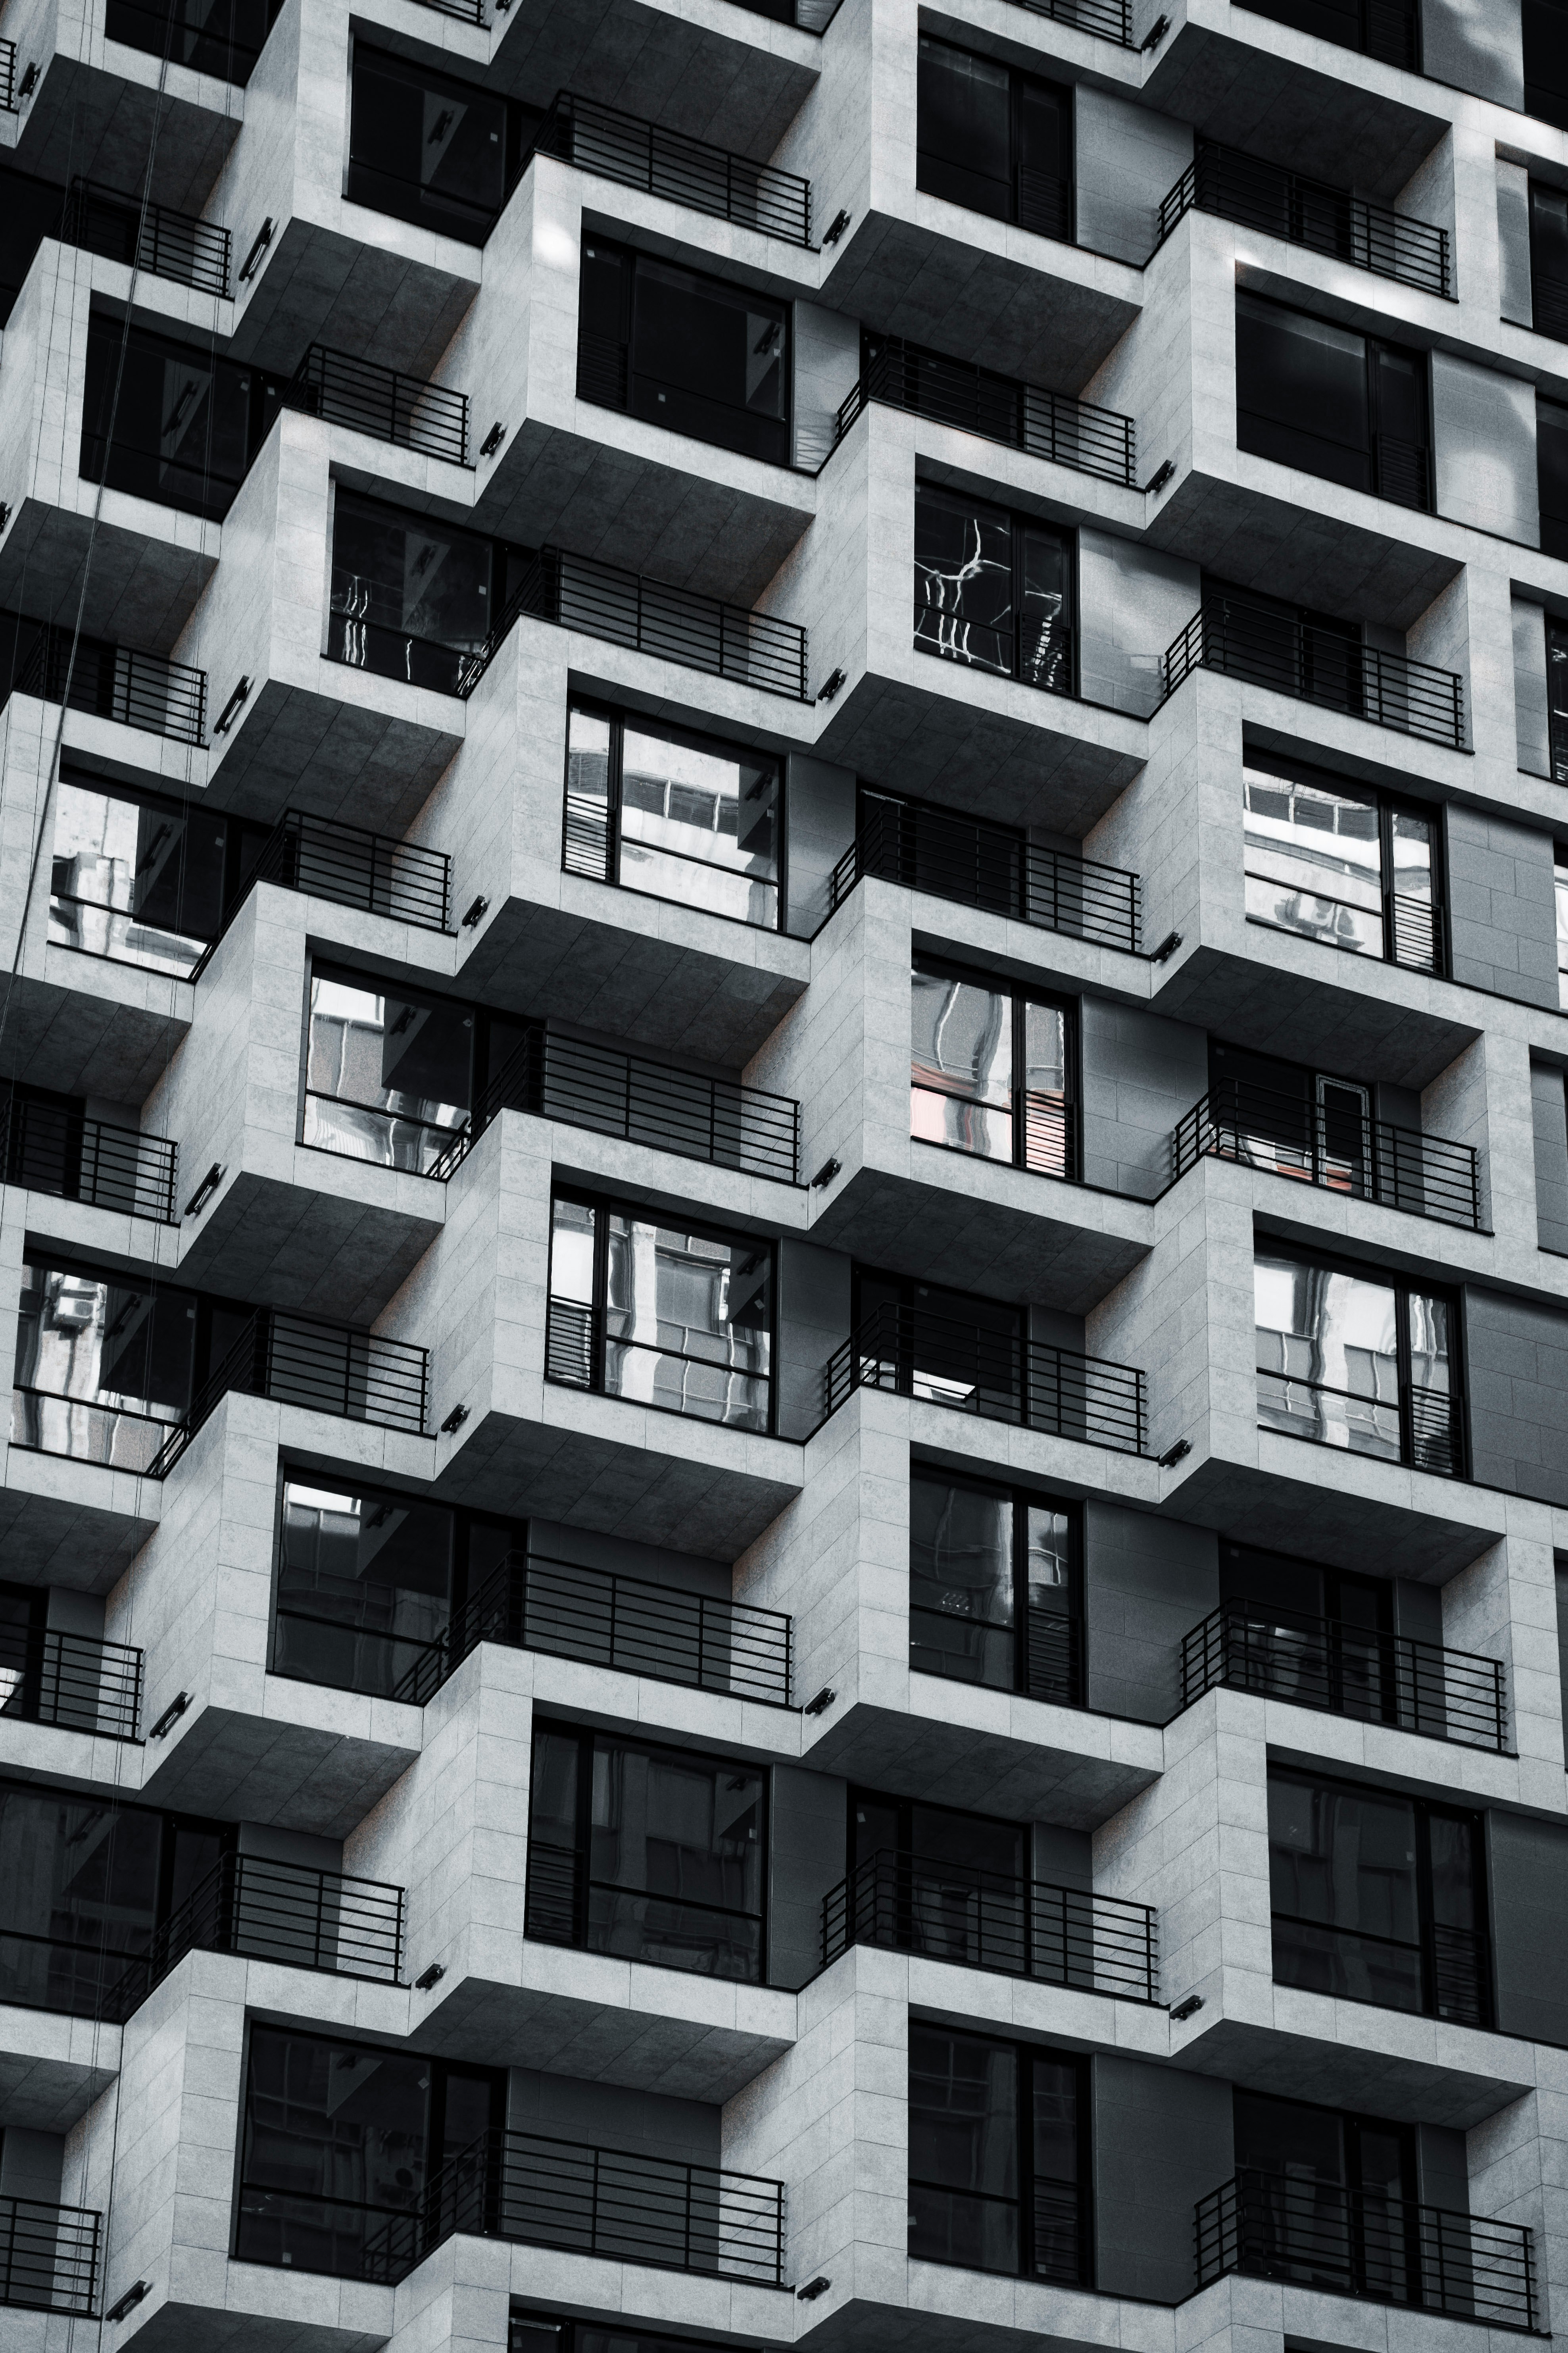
x=640 y=153
x=1390 y=690
x=1048 y=424
x=1310 y=213
x=1026 y=1381
x=955 y=857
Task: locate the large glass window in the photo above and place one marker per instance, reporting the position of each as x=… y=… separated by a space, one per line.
x=1552 y=470
x=991 y=1069
x=185 y=423
x=995 y=139
x=996 y=2155
x=32 y=208
x=1388 y=30
x=994 y=589
x=674 y=1316
x=1299 y=1123
x=1559 y=873
x=221 y=37
x=928 y=1879
x=1322 y=2198
x=365 y=1586
x=412 y=598
x=1557 y=697
x=1377 y=1897
x=430 y=149
x=677 y=815
x=1549 y=256
x=646 y=1853
x=1341 y=864
x=106 y=1365
x=684 y=350
x=337 y=2139
x=1333 y=402
x=1545 y=31
x=389 y=1076
x=1357 y=1360
x=142 y=880
x=994 y=1587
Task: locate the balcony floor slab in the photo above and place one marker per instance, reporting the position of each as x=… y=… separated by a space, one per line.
x=1418 y=2070
x=52 y=2068
x=79 y=1524
x=992 y=1752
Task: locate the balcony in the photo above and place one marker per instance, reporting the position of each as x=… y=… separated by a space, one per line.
x=1342 y=1669
x=370 y=399
x=1108 y=20
x=1319 y=666
x=1317 y=2235
x=613 y=2204
x=75 y=1682
x=53 y=1147
x=810 y=16
x=8 y=77
x=1310 y=213
x=375 y=872
x=952 y=856
x=1048 y=424
x=983 y=1920
x=626 y=609
x=1422 y=1427
x=1037 y=653
x=1338 y=1151
x=48 y=2257
x=142 y=690
x=641 y=1102
x=585 y=1347
x=707 y=179
x=148 y=237
x=905 y=1352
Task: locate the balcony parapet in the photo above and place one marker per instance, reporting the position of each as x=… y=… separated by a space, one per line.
x=1318 y=666
x=1336 y=1149
x=642 y=154
x=1354 y=1670
x=1029 y=1383
x=1310 y=213
x=48 y=2257
x=979 y=1919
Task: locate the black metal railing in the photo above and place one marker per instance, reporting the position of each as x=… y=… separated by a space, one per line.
x=567 y=1904
x=1326 y=219
x=1366 y=2244
x=154 y=238
x=629 y=2207
x=1422 y=1427
x=326 y=1367
x=1037 y=653
x=1343 y=1669
x=266 y=1911
x=471 y=12
x=809 y=16
x=1110 y=19
x=7 y=76
x=987 y=1920
x=1342 y=1151
x=530 y=1602
x=77 y=1682
x=976 y=865
x=54 y=1147
x=642 y=1102
x=141 y=690
x=1443 y=1972
x=998 y=407
x=1316 y=665
x=48 y=2256
x=992 y=1375
x=577 y=592
x=326 y=858
x=370 y=398
x=1549 y=305
x=708 y=179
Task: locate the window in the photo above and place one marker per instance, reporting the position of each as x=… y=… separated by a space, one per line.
x=684 y=350
x=337 y=2139
x=1549 y=257
x=1333 y=402
x=1557 y=697
x=1297 y=1123
x=673 y=814
x=674 y=1316
x=992 y=589
x=427 y=148
x=994 y=140
x=1545 y=30
x=106 y=1365
x=986 y=1566
x=1322 y=2198
x=1359 y=1361
x=142 y=880
x=928 y=1879
x=1322 y=1637
x=1561 y=876
x=992 y=1069
x=1340 y=864
x=1552 y=470
x=996 y=2155
x=649 y=1854
x=533 y=2332
x=389 y=1077
x=1377 y=1897
x=33 y=208
x=222 y=37
x=412 y=598
x=168 y=423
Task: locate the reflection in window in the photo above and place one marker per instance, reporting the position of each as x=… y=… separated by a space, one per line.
x=411 y=597
x=389 y=1077
x=1561 y=874
x=684 y=350
x=1323 y=2194
x=1552 y=473
x=429 y=148
x=990 y=1070
x=1345 y=866
x=185 y=423
x=1352 y=1361
x=1545 y=33
x=995 y=2154
x=143 y=880
x=646 y=1853
x=364 y=1585
x=992 y=589
x=679 y=815
x=995 y=139
x=103 y=1368
x=1549 y=258
x=677 y=1317
x=985 y=1566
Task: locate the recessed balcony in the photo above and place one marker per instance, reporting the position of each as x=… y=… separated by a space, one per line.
x=77 y=1683
x=996 y=1376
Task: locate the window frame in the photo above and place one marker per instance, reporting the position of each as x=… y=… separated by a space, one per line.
x=518 y=136
x=1374 y=348
x=1020 y=81
x=243 y=842
x=1065 y=622
x=1287 y=770
x=502 y=554
x=1073 y=1689
x=627 y=374
x=1021 y=994
x=1024 y=2056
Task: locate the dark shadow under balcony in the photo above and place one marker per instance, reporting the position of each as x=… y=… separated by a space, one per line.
x=1339 y=1150
x=984 y=1920
x=1048 y=424
x=108 y=682
x=1319 y=666
x=1283 y=204
x=1030 y=1383
x=48 y=2257
x=49 y=1145
x=1337 y=1669
x=1316 y=2234
x=147 y=236
x=641 y=154
x=77 y=1683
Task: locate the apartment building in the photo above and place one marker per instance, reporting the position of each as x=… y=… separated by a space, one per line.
x=785 y=1186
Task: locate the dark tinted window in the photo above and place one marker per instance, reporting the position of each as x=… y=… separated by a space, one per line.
x=995 y=2155
x=33 y=209
x=364 y=1582
x=411 y=597
x=995 y=139
x=1551 y=458
x=1320 y=397
x=684 y=350
x=431 y=149
x=992 y=589
x=186 y=423
x=1545 y=30
x=223 y=38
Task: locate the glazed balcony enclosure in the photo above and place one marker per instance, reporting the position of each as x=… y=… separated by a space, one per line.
x=144 y=690
x=1351 y=868
x=49 y=1144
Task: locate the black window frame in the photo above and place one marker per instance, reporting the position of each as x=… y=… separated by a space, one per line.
x=1478 y=2014
x=1022 y=993
x=1544 y=40
x=452 y=216
x=1052 y=667
x=1552 y=470
x=1402 y=480
x=443 y=669
x=1390 y=34
x=243 y=842
x=1387 y=806
x=494 y=1037
x=112 y=459
x=1064 y=1689
x=156 y=30
x=529 y=2331
x=1054 y=216
x=1024 y=2057
x=609 y=378
x=1548 y=287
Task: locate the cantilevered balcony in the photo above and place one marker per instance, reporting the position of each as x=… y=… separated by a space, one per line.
x=326 y=858
x=48 y=2257
x=1340 y=1150
x=77 y=1682
x=49 y=1145
x=143 y=690
x=1319 y=666
x=1264 y=196
x=976 y=1919
x=1050 y=424
x=151 y=238
x=1346 y=1670
x=295 y=1360
x=992 y=1375
x=1367 y=2244
x=616 y=145
x=370 y=399
x=618 y=2204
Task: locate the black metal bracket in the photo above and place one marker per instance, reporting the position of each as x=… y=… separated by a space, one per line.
x=262 y=240
x=835 y=228
x=477 y=912
x=226 y=718
x=171 y=1715
x=129 y=2301
x=1174 y=1454
x=1161 y=476
x=455 y=1420
x=825 y=1174
x=492 y=439
x=1167 y=948
x=1188 y=2008
x=831 y=686
x=1155 y=33
x=204 y=1190
x=427 y=1978
x=822 y=1703
x=28 y=83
